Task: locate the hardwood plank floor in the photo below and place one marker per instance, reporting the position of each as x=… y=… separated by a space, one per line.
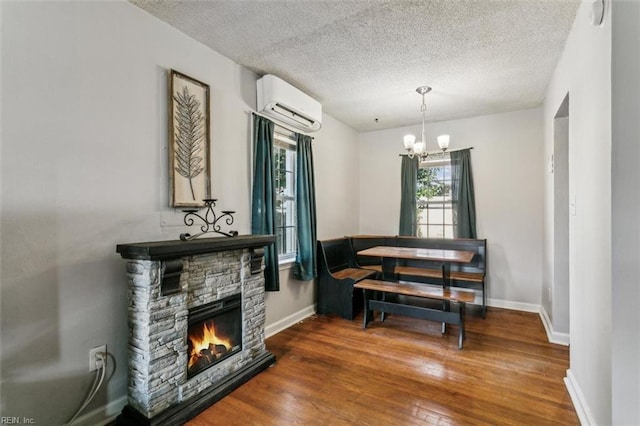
x=330 y=371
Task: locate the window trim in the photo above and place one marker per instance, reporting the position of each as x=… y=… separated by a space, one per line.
x=286 y=139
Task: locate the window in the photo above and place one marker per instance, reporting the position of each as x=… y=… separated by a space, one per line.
x=284 y=155
x=435 y=214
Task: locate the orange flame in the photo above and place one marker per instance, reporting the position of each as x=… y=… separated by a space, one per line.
x=202 y=344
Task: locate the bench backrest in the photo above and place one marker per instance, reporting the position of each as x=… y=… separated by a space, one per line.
x=335 y=254
x=340 y=253
x=478 y=246
x=363 y=242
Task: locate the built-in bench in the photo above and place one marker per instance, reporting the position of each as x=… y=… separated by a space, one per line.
x=371 y=303
x=337 y=274
x=469 y=275
x=475 y=277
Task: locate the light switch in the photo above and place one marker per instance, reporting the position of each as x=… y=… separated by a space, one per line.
x=572 y=206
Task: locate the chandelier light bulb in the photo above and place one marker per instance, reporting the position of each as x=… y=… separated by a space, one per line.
x=409 y=140
x=418 y=147
x=443 y=142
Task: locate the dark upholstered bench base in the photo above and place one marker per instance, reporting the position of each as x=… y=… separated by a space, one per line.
x=336 y=276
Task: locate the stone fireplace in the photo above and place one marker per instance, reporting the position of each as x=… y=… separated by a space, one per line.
x=196 y=324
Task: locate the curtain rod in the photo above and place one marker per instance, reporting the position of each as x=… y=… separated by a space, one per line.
x=278 y=124
x=438 y=152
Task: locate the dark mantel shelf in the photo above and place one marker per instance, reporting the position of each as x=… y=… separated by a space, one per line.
x=162 y=250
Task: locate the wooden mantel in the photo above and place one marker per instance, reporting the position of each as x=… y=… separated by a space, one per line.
x=172 y=249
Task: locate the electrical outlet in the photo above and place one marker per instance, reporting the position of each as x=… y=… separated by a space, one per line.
x=94 y=361
x=549 y=288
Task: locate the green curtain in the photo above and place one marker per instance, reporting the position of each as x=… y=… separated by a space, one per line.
x=408 y=201
x=305 y=267
x=464 y=204
x=263 y=197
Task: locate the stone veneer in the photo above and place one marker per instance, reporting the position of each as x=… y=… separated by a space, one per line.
x=158 y=325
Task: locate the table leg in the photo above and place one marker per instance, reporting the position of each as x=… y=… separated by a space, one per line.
x=446 y=274
x=388 y=274
x=461 y=333
x=446 y=283
x=389 y=268
x=365 y=296
x=383 y=315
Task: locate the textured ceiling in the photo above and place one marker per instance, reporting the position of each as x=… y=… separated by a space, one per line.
x=363 y=59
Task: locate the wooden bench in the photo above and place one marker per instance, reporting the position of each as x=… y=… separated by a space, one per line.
x=337 y=275
x=459 y=298
x=471 y=275
x=475 y=277
x=362 y=242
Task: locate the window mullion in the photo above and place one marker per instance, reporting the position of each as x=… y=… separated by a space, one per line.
x=434 y=200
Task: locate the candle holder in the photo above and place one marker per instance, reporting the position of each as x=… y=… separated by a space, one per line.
x=210 y=220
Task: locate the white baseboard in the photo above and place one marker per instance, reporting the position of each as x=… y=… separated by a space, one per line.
x=102 y=415
x=553 y=336
x=517 y=306
x=287 y=322
x=577 y=397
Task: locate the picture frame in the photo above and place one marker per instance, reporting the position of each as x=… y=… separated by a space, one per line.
x=189 y=141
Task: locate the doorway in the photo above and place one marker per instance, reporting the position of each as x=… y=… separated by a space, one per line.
x=559 y=292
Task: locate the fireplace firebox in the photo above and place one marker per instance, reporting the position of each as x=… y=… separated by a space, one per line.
x=214 y=333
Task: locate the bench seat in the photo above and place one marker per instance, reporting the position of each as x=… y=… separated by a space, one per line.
x=353 y=273
x=417 y=290
x=425 y=291
x=337 y=274
x=476 y=277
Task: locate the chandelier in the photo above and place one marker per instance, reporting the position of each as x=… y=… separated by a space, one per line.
x=420 y=148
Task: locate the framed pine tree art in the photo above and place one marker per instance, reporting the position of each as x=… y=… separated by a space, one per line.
x=189 y=141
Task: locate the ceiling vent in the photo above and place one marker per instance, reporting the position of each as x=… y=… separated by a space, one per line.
x=283 y=102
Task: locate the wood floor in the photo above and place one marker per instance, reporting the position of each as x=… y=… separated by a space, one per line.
x=330 y=371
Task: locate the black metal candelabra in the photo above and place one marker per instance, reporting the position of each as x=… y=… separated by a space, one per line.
x=210 y=220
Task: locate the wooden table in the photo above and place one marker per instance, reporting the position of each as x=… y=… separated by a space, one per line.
x=390 y=256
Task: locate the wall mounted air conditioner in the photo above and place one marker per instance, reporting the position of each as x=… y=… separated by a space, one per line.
x=283 y=102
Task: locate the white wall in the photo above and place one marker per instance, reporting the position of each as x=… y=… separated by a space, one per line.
x=84 y=167
x=507 y=171
x=584 y=71
x=625 y=69
x=336 y=154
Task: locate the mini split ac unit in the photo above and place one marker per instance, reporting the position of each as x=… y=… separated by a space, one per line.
x=283 y=102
